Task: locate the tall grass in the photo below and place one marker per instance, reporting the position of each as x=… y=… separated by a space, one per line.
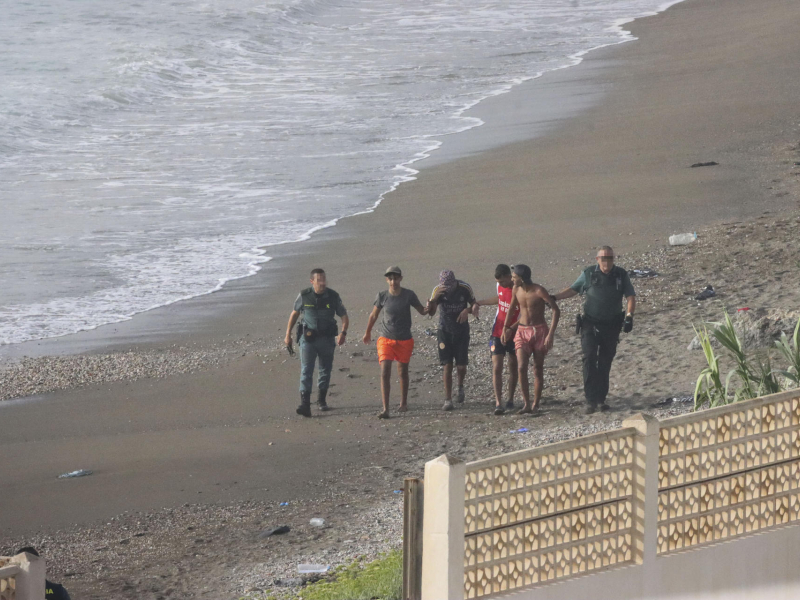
x=754 y=375
x=709 y=388
x=790 y=350
x=725 y=334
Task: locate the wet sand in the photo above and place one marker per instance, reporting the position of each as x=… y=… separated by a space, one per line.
x=707 y=81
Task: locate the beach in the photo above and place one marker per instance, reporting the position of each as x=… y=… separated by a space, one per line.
x=186 y=413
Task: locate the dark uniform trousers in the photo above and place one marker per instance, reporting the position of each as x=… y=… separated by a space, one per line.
x=322 y=348
x=599 y=346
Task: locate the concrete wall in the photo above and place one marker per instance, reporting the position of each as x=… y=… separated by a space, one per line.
x=764 y=566
x=705 y=505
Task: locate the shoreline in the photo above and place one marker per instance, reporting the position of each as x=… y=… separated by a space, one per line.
x=491 y=129
x=219 y=448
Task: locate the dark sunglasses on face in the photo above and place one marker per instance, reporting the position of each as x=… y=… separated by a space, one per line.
x=393 y=277
x=606 y=257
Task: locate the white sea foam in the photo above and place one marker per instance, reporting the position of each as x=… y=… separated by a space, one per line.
x=166 y=147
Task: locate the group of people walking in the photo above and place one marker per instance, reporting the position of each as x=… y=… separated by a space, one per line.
x=520 y=332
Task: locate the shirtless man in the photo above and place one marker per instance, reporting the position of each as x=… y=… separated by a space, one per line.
x=533 y=336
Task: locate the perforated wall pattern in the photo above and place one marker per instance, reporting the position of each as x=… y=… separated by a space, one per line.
x=728 y=471
x=538 y=515
x=7 y=585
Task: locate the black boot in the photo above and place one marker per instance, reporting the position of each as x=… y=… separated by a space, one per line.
x=305 y=404
x=321 y=400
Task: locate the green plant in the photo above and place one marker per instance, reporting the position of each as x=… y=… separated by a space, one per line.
x=755 y=375
x=790 y=350
x=381 y=579
x=709 y=387
x=765 y=379
x=725 y=334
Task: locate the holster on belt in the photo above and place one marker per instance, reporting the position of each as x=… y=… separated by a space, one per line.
x=587 y=321
x=578 y=324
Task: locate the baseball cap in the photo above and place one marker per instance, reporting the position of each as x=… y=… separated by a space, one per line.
x=393 y=271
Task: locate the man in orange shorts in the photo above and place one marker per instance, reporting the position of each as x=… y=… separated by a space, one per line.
x=533 y=336
x=395 y=342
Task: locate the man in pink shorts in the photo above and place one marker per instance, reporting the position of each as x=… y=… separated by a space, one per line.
x=533 y=337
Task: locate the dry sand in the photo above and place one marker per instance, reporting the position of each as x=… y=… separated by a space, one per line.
x=199 y=440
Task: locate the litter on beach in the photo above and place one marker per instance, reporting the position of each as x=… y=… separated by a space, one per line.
x=706 y=293
x=274 y=531
x=312 y=568
x=681 y=239
x=743 y=309
x=675 y=400
x=642 y=273
x=680 y=399
x=71 y=474
x=284 y=504
x=317 y=522
x=520 y=430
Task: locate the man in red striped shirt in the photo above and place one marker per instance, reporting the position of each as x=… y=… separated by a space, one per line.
x=497 y=348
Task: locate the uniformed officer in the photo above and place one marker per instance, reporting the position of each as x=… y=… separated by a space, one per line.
x=605 y=284
x=52 y=591
x=317 y=333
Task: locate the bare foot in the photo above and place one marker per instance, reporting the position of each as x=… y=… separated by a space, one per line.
x=383 y=415
x=403 y=408
x=525 y=410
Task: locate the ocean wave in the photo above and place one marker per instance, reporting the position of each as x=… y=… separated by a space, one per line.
x=167 y=147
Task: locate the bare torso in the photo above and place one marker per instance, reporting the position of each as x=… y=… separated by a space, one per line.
x=531 y=304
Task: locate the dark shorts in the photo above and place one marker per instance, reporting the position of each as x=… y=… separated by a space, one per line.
x=453 y=347
x=497 y=348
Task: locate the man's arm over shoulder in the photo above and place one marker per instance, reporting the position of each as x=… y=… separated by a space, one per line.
x=551 y=302
x=579 y=287
x=580 y=283
x=433 y=303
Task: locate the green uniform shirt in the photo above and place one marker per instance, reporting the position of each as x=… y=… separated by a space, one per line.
x=318 y=311
x=604 y=293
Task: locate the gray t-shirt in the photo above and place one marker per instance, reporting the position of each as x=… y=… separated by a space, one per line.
x=396 y=313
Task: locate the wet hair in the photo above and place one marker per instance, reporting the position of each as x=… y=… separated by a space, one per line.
x=28 y=549
x=502 y=270
x=317 y=271
x=524 y=272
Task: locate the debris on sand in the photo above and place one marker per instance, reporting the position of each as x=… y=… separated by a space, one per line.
x=642 y=273
x=706 y=293
x=274 y=531
x=78 y=473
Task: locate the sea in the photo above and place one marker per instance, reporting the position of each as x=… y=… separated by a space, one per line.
x=153 y=150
